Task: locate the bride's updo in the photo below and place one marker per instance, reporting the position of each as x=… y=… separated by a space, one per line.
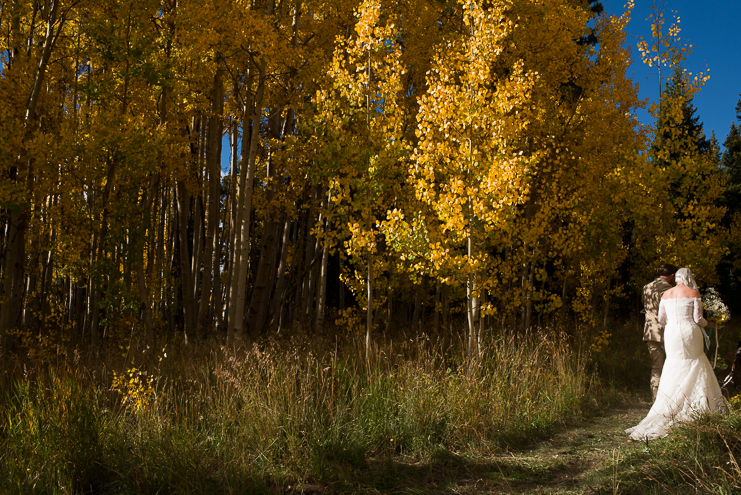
x=684 y=275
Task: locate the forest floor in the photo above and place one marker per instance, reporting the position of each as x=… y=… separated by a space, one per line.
x=577 y=459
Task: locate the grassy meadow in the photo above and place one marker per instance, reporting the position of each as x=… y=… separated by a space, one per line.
x=292 y=416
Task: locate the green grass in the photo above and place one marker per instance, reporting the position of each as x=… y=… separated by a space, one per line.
x=699 y=457
x=288 y=416
x=279 y=415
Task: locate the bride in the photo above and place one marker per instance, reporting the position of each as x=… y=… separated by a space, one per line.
x=688 y=385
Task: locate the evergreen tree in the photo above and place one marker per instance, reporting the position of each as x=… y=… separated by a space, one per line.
x=685 y=126
x=731 y=164
x=688 y=190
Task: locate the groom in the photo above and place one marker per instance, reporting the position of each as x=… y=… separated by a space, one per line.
x=653 y=332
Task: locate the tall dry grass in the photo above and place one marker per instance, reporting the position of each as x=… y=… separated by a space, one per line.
x=278 y=414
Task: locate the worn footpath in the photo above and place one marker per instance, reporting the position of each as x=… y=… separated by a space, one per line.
x=579 y=458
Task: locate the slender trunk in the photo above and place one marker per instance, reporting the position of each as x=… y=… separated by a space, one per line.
x=48 y=272
x=280 y=286
x=607 y=304
x=389 y=311
x=235 y=230
x=524 y=291
x=446 y=323
x=249 y=155
x=377 y=313
x=10 y=316
x=306 y=284
x=159 y=249
x=417 y=318
x=256 y=314
x=96 y=291
x=342 y=287
x=186 y=279
x=217 y=296
x=529 y=296
x=369 y=311
x=298 y=295
x=213 y=164
x=67 y=301
x=322 y=289
x=79 y=308
x=140 y=273
x=471 y=302
x=197 y=251
x=436 y=318
x=173 y=261
x=30 y=304
x=369 y=279
x=314 y=274
x=482 y=321
x=564 y=294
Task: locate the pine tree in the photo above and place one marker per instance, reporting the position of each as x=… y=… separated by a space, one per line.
x=675 y=126
x=730 y=161
x=731 y=165
x=688 y=186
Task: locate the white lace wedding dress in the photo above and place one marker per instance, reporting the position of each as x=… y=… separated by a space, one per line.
x=688 y=385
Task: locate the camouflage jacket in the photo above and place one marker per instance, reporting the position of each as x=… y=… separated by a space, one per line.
x=652 y=293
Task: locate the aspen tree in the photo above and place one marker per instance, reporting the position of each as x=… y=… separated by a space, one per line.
x=467 y=166
x=364 y=97
x=30 y=70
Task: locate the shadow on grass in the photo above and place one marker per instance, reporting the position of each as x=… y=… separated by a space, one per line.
x=445 y=472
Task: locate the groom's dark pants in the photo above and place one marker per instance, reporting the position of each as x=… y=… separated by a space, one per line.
x=658 y=356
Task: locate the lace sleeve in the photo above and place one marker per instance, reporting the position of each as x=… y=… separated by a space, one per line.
x=662 y=313
x=698 y=313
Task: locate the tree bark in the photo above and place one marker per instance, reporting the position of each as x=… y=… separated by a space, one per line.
x=389 y=310
x=529 y=296
x=436 y=320
x=256 y=313
x=235 y=229
x=10 y=315
x=417 y=318
x=280 y=285
x=321 y=298
x=607 y=304
x=247 y=177
x=186 y=279
x=213 y=164
x=369 y=311
x=306 y=285
x=144 y=306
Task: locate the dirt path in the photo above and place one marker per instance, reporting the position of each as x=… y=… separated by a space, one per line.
x=578 y=459
x=582 y=458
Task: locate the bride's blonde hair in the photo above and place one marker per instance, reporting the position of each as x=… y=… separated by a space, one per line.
x=685 y=276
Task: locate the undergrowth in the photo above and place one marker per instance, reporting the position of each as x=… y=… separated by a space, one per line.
x=277 y=415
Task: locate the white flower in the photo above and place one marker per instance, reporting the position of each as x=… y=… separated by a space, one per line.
x=714 y=307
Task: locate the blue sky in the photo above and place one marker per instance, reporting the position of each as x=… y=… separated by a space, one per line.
x=712 y=27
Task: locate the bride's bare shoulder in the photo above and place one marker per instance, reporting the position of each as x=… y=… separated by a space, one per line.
x=681 y=292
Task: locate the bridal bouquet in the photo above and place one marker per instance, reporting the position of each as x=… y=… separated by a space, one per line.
x=714 y=307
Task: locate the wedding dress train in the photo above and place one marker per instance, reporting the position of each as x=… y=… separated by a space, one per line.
x=688 y=385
